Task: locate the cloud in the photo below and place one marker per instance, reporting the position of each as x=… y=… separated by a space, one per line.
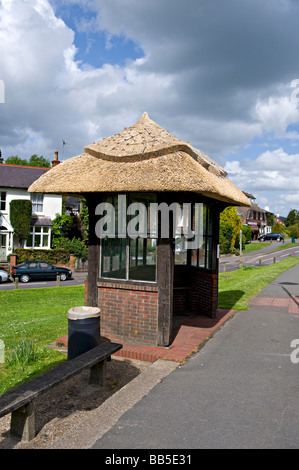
x=273 y=178
x=217 y=74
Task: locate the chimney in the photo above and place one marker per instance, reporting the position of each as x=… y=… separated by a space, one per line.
x=55 y=161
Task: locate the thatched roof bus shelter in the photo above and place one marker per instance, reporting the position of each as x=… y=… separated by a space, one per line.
x=140 y=281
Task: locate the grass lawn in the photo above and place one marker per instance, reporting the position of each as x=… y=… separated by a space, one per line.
x=238 y=287
x=286 y=245
x=39 y=315
x=250 y=247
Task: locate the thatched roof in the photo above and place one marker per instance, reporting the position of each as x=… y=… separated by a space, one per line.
x=143 y=157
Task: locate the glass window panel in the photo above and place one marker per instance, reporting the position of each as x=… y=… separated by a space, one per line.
x=37 y=240
x=2 y=201
x=194 y=258
x=45 y=240
x=114 y=258
x=210 y=222
x=142 y=263
x=29 y=242
x=209 y=253
x=37 y=229
x=180 y=254
x=37 y=202
x=202 y=255
x=150 y=223
x=204 y=219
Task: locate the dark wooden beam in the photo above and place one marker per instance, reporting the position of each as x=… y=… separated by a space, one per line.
x=93 y=252
x=165 y=278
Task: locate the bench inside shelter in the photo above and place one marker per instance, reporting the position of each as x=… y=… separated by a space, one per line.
x=20 y=400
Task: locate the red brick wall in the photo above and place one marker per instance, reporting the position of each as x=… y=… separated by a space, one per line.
x=203 y=295
x=195 y=290
x=129 y=312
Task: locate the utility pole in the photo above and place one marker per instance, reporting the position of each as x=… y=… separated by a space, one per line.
x=240 y=262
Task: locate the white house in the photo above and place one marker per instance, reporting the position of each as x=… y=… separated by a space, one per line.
x=14 y=183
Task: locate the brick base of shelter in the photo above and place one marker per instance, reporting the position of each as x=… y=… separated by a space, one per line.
x=129 y=310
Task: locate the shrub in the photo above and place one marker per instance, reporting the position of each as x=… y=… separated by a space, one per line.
x=229 y=218
x=20 y=217
x=246 y=230
x=225 y=238
x=74 y=246
x=56 y=256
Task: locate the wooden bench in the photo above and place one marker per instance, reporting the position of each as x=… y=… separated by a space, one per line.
x=19 y=400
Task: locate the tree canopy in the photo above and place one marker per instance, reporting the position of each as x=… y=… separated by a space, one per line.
x=292 y=218
x=230 y=226
x=34 y=160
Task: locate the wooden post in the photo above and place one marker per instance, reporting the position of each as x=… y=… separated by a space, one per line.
x=93 y=253
x=22 y=423
x=16 y=283
x=98 y=374
x=165 y=275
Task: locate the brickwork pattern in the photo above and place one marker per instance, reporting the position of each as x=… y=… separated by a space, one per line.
x=128 y=312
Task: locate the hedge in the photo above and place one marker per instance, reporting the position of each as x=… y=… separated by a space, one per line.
x=55 y=256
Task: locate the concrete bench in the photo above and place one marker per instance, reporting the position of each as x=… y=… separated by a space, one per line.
x=19 y=400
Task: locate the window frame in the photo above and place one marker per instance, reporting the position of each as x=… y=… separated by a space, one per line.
x=3 y=200
x=37 y=204
x=203 y=263
x=45 y=232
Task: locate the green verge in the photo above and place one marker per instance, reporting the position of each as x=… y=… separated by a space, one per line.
x=250 y=247
x=39 y=315
x=238 y=287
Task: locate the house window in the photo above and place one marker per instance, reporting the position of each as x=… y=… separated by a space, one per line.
x=2 y=201
x=39 y=237
x=37 y=203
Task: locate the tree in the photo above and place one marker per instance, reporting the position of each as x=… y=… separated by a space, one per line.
x=294 y=232
x=280 y=228
x=270 y=219
x=20 y=217
x=15 y=160
x=292 y=218
x=34 y=160
x=229 y=219
x=84 y=217
x=1 y=158
x=39 y=161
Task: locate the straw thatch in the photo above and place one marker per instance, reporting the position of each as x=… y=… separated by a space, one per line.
x=143 y=157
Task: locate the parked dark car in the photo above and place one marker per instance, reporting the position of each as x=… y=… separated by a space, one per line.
x=33 y=270
x=271 y=236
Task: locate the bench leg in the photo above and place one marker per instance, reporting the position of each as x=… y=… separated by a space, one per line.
x=22 y=423
x=98 y=374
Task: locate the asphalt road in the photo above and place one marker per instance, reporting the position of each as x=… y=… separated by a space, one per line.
x=78 y=278
x=263 y=257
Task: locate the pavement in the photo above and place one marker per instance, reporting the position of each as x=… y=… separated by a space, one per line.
x=236 y=388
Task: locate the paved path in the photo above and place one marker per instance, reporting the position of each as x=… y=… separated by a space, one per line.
x=239 y=391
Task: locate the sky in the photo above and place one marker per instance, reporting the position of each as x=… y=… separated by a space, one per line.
x=223 y=75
